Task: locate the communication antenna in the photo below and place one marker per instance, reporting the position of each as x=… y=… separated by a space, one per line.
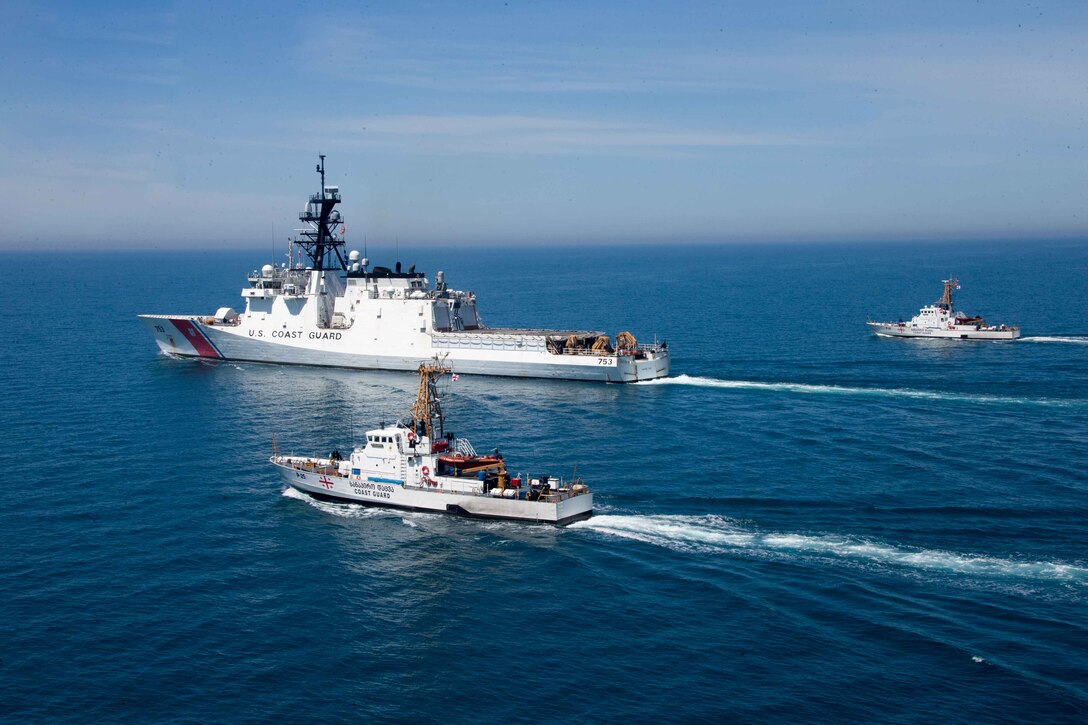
x=427 y=411
x=320 y=239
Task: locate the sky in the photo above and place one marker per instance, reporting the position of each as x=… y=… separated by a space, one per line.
x=179 y=125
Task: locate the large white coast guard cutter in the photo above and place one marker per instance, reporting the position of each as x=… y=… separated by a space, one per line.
x=415 y=464
x=938 y=320
x=340 y=311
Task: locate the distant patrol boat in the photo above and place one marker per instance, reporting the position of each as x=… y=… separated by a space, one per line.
x=939 y=321
x=415 y=464
x=342 y=312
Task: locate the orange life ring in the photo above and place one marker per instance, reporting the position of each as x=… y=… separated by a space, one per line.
x=425 y=470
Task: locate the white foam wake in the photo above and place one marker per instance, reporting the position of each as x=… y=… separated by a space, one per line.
x=845 y=390
x=1056 y=338
x=344 y=510
x=359 y=511
x=714 y=534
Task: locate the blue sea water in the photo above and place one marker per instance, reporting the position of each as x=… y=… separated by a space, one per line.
x=804 y=523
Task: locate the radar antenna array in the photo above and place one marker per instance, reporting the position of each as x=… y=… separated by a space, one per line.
x=426 y=415
x=322 y=241
x=946 y=298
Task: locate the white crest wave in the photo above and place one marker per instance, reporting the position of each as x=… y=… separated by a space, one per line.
x=1056 y=338
x=359 y=511
x=807 y=388
x=714 y=534
x=343 y=510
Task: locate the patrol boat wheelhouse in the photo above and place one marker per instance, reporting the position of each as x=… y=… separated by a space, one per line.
x=340 y=311
x=416 y=464
x=938 y=320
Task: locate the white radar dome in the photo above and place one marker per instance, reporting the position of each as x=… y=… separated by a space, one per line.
x=353 y=256
x=267 y=270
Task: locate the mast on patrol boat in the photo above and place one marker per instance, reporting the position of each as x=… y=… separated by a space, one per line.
x=946 y=300
x=426 y=414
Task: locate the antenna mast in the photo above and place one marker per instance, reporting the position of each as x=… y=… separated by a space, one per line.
x=946 y=300
x=323 y=242
x=426 y=414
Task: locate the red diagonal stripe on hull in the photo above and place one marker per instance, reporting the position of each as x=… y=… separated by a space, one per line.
x=195 y=337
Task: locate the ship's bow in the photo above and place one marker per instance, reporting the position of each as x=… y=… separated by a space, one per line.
x=180 y=335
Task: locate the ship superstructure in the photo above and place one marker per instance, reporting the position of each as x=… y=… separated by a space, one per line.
x=416 y=464
x=338 y=310
x=939 y=321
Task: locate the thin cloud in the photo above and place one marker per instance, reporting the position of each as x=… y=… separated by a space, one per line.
x=138 y=28
x=364 y=55
x=1008 y=69
x=517 y=134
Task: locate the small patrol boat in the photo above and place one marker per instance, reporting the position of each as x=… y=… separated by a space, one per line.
x=939 y=321
x=416 y=464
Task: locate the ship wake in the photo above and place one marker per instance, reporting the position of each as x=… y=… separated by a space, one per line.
x=1070 y=339
x=807 y=388
x=717 y=535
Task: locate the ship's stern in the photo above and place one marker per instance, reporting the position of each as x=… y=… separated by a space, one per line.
x=647 y=365
x=575 y=508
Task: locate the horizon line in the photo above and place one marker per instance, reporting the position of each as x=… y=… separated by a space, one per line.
x=1075 y=238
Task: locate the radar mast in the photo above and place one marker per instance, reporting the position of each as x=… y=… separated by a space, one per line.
x=323 y=241
x=946 y=299
x=426 y=415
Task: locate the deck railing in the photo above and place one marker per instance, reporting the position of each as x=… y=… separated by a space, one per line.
x=327 y=468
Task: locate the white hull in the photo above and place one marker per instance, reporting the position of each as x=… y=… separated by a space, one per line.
x=388 y=492
x=341 y=312
x=939 y=322
x=956 y=332
x=511 y=353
